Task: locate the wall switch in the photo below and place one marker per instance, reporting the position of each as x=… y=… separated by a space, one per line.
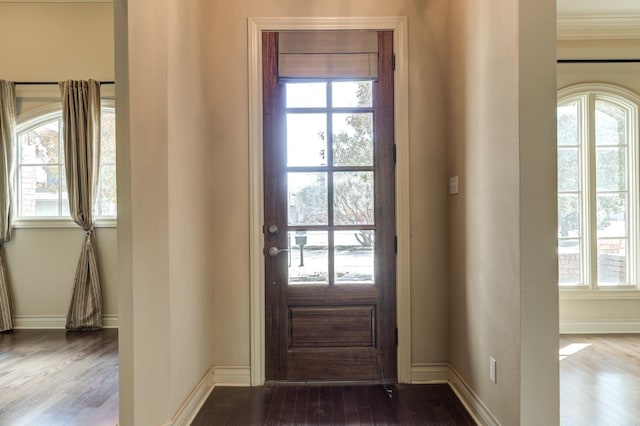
x=453 y=185
x=492 y=369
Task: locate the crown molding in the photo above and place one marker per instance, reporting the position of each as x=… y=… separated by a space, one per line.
x=599 y=27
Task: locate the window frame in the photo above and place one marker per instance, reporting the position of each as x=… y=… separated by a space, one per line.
x=586 y=95
x=32 y=119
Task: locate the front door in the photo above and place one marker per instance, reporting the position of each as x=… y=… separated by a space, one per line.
x=329 y=224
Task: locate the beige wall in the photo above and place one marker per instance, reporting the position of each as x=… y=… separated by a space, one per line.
x=503 y=299
x=43 y=41
x=579 y=311
x=188 y=125
x=227 y=90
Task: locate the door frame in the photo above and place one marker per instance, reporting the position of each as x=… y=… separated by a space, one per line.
x=397 y=24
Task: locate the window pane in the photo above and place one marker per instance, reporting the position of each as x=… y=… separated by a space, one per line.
x=611 y=169
x=611 y=215
x=307 y=194
x=354 y=257
x=353 y=139
x=568 y=124
x=40 y=190
x=306 y=95
x=610 y=124
x=106 y=200
x=40 y=145
x=568 y=215
x=612 y=262
x=568 y=169
x=569 y=261
x=108 y=138
x=308 y=257
x=306 y=140
x=347 y=94
x=353 y=198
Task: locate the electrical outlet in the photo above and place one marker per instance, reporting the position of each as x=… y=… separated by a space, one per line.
x=492 y=370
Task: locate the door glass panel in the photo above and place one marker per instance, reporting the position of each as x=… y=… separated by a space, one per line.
x=353 y=139
x=307 y=195
x=308 y=257
x=611 y=126
x=306 y=140
x=354 y=257
x=569 y=261
x=611 y=215
x=353 y=198
x=306 y=95
x=347 y=94
x=612 y=262
x=568 y=124
x=611 y=169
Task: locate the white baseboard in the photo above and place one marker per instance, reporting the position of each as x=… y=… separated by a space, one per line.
x=215 y=376
x=232 y=376
x=191 y=406
x=468 y=397
x=55 y=321
x=604 y=326
x=429 y=373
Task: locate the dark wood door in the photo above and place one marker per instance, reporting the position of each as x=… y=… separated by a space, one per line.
x=329 y=224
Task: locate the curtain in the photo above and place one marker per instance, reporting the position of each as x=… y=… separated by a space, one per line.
x=7 y=148
x=81 y=137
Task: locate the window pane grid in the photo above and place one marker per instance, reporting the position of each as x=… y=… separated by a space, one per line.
x=600 y=148
x=40 y=177
x=340 y=142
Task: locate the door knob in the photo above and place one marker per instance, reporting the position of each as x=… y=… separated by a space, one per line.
x=274 y=251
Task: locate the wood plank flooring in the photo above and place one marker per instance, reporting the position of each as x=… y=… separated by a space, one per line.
x=50 y=377
x=600 y=383
x=333 y=405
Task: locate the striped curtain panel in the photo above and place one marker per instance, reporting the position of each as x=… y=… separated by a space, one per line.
x=81 y=138
x=7 y=148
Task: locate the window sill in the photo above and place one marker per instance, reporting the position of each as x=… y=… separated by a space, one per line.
x=62 y=222
x=628 y=293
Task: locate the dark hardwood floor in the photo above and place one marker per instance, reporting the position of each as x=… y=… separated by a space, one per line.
x=333 y=405
x=600 y=380
x=50 y=377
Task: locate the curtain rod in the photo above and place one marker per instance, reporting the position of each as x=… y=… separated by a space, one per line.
x=44 y=83
x=597 y=61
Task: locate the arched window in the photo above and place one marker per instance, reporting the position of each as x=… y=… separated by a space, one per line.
x=40 y=175
x=597 y=187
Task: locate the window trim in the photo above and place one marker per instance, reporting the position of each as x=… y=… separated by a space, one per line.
x=587 y=93
x=34 y=118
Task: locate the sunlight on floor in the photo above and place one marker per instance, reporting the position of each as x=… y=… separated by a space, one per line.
x=572 y=349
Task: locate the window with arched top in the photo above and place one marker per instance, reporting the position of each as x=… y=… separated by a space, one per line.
x=597 y=187
x=40 y=175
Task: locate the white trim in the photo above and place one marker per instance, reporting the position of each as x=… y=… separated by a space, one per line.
x=603 y=326
x=194 y=402
x=601 y=294
x=232 y=376
x=256 y=258
x=422 y=374
x=60 y=222
x=55 y=322
x=470 y=400
x=598 y=27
